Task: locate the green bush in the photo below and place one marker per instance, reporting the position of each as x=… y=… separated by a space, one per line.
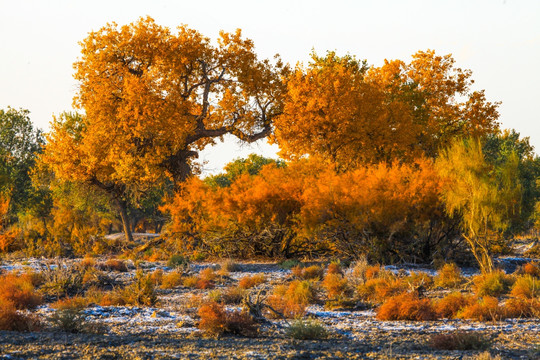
x=307 y=330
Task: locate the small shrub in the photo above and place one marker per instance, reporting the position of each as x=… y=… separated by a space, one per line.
x=459 y=341
x=247 y=282
x=62 y=280
x=232 y=295
x=177 y=261
x=485 y=356
x=334 y=268
x=335 y=285
x=73 y=303
x=13 y=320
x=289 y=264
x=171 y=280
x=208 y=274
x=69 y=320
x=407 y=307
x=306 y=330
x=532 y=269
x=114 y=265
x=449 y=306
x=230 y=266
x=309 y=273
x=449 y=276
x=378 y=289
x=526 y=287
x=485 y=309
x=190 y=281
x=492 y=284
x=291 y=301
x=88 y=263
x=140 y=292
x=518 y=307
x=18 y=291
x=215 y=320
x=419 y=279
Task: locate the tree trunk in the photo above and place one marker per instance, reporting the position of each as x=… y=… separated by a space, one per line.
x=122 y=207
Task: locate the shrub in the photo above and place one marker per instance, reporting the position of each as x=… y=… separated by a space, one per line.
x=306 y=330
x=419 y=280
x=449 y=276
x=309 y=273
x=356 y=273
x=449 y=306
x=335 y=285
x=289 y=264
x=485 y=309
x=378 y=289
x=230 y=266
x=208 y=274
x=113 y=265
x=73 y=303
x=518 y=307
x=63 y=280
x=492 y=284
x=171 y=280
x=233 y=295
x=291 y=301
x=459 y=341
x=204 y=284
x=532 y=269
x=190 y=281
x=215 y=320
x=69 y=320
x=88 y=263
x=18 y=291
x=334 y=268
x=407 y=307
x=176 y=261
x=526 y=287
x=485 y=356
x=140 y=292
x=247 y=282
x=13 y=320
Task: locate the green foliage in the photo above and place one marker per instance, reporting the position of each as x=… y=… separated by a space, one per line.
x=176 y=261
x=251 y=165
x=307 y=330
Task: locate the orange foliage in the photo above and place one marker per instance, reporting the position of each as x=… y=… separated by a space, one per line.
x=484 y=309
x=215 y=320
x=291 y=301
x=18 y=291
x=313 y=272
x=407 y=307
x=247 y=282
x=532 y=269
x=449 y=306
x=12 y=320
x=449 y=276
x=335 y=285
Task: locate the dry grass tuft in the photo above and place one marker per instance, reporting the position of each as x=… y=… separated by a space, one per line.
x=459 y=341
x=449 y=276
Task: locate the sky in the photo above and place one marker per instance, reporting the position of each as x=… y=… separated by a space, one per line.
x=499 y=40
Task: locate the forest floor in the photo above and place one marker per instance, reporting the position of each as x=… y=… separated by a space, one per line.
x=168 y=330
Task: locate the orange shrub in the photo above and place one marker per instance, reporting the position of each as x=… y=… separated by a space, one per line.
x=88 y=262
x=417 y=279
x=378 y=289
x=73 y=303
x=204 y=284
x=372 y=271
x=407 y=307
x=485 y=309
x=526 y=287
x=190 y=281
x=334 y=268
x=247 y=282
x=492 y=284
x=213 y=318
x=449 y=306
x=171 y=280
x=532 y=269
x=313 y=272
x=292 y=300
x=518 y=307
x=18 y=290
x=208 y=274
x=335 y=285
x=114 y=265
x=449 y=276
x=12 y=320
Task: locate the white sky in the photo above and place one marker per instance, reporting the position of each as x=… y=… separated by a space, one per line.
x=499 y=40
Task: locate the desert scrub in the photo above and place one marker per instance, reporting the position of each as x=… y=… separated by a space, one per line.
x=313 y=272
x=449 y=276
x=532 y=269
x=450 y=305
x=495 y=283
x=113 y=265
x=518 y=307
x=526 y=287
x=289 y=264
x=459 y=341
x=407 y=307
x=484 y=309
x=140 y=292
x=337 y=289
x=13 y=320
x=419 y=280
x=229 y=266
x=73 y=303
x=247 y=282
x=62 y=280
x=171 y=280
x=215 y=320
x=306 y=330
x=291 y=301
x=232 y=295
x=18 y=291
x=377 y=289
x=178 y=261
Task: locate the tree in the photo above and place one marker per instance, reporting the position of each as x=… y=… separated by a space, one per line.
x=152 y=99
x=350 y=114
x=20 y=144
x=485 y=195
